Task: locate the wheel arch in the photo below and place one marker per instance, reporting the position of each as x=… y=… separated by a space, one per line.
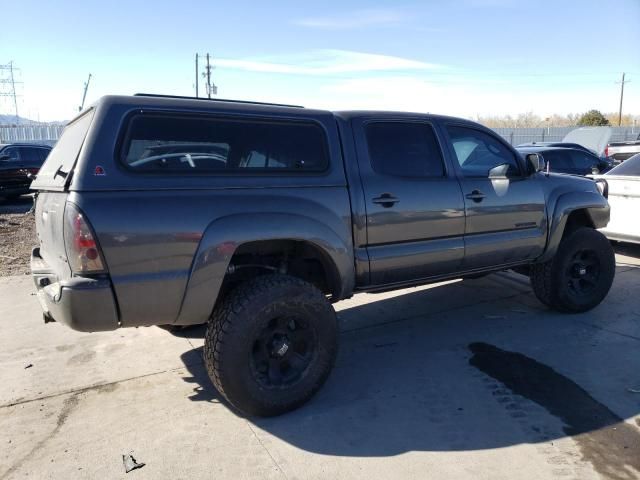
x=573 y=210
x=236 y=235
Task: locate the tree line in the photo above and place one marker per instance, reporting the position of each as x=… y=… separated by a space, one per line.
x=530 y=119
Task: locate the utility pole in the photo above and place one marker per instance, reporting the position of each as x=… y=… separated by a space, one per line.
x=84 y=95
x=208 y=77
x=622 y=82
x=210 y=87
x=11 y=90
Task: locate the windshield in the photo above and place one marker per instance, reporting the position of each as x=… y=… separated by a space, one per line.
x=628 y=168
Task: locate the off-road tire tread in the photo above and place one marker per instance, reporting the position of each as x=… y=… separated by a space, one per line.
x=545 y=276
x=541 y=276
x=228 y=316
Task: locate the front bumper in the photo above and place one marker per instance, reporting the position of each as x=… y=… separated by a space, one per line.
x=82 y=303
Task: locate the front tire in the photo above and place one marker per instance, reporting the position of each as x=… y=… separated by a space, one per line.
x=271 y=344
x=580 y=274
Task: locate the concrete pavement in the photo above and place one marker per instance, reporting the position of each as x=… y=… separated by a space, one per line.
x=467 y=379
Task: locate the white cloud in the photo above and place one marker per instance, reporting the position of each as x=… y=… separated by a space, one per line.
x=359 y=19
x=410 y=93
x=327 y=62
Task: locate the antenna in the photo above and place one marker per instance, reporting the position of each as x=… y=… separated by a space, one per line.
x=84 y=94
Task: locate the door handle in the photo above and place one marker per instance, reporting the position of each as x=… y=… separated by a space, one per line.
x=477 y=196
x=386 y=200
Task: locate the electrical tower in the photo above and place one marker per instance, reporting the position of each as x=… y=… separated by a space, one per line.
x=210 y=87
x=8 y=86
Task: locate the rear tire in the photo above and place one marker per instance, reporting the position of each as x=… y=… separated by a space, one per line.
x=271 y=344
x=580 y=274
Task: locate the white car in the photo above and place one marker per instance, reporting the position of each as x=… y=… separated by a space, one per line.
x=624 y=199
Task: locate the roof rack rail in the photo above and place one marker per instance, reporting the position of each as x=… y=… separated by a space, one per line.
x=155 y=95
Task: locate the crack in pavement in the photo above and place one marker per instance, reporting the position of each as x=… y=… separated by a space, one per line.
x=603 y=329
x=95 y=387
x=266 y=450
x=68 y=406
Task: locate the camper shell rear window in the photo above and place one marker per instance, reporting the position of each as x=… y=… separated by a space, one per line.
x=58 y=165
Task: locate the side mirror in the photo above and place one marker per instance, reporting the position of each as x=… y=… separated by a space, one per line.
x=4 y=158
x=535 y=162
x=499 y=171
x=595 y=170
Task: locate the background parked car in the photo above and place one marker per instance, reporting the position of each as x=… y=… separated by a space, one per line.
x=620 y=151
x=555 y=144
x=17 y=161
x=570 y=160
x=624 y=200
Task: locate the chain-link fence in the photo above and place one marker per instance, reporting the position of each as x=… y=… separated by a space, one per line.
x=40 y=133
x=49 y=133
x=516 y=136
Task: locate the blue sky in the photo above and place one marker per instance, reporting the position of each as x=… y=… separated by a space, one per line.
x=463 y=57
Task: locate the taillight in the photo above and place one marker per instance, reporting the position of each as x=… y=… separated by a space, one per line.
x=606 y=151
x=83 y=252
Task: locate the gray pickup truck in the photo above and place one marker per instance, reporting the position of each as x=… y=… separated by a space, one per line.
x=157 y=210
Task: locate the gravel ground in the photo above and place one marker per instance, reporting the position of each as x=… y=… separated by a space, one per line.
x=17 y=237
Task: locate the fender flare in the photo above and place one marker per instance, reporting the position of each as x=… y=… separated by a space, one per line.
x=222 y=238
x=595 y=206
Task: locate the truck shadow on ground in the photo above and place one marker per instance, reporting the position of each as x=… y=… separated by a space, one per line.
x=411 y=377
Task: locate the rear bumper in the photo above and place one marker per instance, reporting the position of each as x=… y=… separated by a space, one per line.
x=622 y=156
x=81 y=303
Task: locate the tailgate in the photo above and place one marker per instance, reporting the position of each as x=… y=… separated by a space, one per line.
x=51 y=183
x=49 y=217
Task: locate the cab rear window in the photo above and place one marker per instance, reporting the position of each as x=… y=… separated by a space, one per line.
x=201 y=144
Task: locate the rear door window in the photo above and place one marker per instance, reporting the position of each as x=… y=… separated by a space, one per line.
x=583 y=161
x=31 y=155
x=197 y=145
x=404 y=149
x=559 y=160
x=44 y=153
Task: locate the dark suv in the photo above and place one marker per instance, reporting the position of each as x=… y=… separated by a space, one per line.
x=17 y=161
x=256 y=218
x=576 y=161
